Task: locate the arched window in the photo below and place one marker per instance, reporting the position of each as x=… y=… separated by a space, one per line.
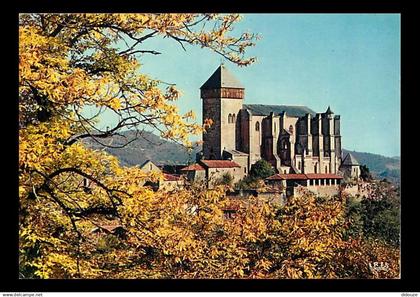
x=229 y=118
x=291 y=129
x=257 y=126
x=233 y=118
x=315 y=168
x=326 y=169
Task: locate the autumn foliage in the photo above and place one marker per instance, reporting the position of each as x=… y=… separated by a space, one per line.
x=68 y=192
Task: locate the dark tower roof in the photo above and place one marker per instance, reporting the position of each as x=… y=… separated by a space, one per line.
x=222 y=78
x=350 y=160
x=329 y=111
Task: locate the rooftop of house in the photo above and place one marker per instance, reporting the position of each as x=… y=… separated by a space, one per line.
x=171 y=177
x=193 y=167
x=219 y=163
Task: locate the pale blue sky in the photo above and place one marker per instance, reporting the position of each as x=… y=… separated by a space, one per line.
x=348 y=61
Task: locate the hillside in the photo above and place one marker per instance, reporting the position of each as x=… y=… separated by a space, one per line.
x=147 y=146
x=151 y=147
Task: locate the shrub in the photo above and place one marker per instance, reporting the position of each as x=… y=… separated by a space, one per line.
x=261 y=170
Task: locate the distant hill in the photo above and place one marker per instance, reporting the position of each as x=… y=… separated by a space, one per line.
x=147 y=146
x=151 y=147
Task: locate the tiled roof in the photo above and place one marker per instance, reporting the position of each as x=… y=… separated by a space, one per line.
x=222 y=78
x=301 y=176
x=265 y=110
x=193 y=167
x=219 y=164
x=171 y=177
x=287 y=176
x=350 y=160
x=322 y=175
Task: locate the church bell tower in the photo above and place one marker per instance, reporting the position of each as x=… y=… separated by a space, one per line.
x=222 y=96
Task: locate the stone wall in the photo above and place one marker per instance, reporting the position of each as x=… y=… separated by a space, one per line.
x=211 y=138
x=215 y=174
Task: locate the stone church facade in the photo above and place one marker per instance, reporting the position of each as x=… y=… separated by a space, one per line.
x=294 y=139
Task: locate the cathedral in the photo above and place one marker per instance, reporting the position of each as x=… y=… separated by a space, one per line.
x=294 y=139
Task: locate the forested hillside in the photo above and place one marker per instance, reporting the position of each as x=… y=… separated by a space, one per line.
x=147 y=146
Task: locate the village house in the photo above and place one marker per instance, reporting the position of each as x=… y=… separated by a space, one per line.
x=168 y=182
x=212 y=171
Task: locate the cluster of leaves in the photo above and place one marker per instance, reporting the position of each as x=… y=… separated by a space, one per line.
x=259 y=171
x=226 y=179
x=365 y=173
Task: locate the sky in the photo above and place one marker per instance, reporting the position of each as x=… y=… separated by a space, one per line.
x=350 y=62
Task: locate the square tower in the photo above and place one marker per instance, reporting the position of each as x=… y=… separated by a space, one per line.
x=222 y=96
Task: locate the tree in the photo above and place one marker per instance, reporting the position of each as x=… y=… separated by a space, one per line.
x=226 y=179
x=261 y=169
x=365 y=173
x=70 y=62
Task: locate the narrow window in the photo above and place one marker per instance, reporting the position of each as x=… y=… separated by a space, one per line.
x=291 y=129
x=315 y=169
x=326 y=169
x=233 y=118
x=257 y=126
x=229 y=118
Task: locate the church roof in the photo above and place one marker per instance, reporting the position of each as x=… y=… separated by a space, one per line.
x=222 y=78
x=350 y=160
x=291 y=110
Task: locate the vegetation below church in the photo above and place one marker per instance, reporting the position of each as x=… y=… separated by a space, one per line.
x=84 y=215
